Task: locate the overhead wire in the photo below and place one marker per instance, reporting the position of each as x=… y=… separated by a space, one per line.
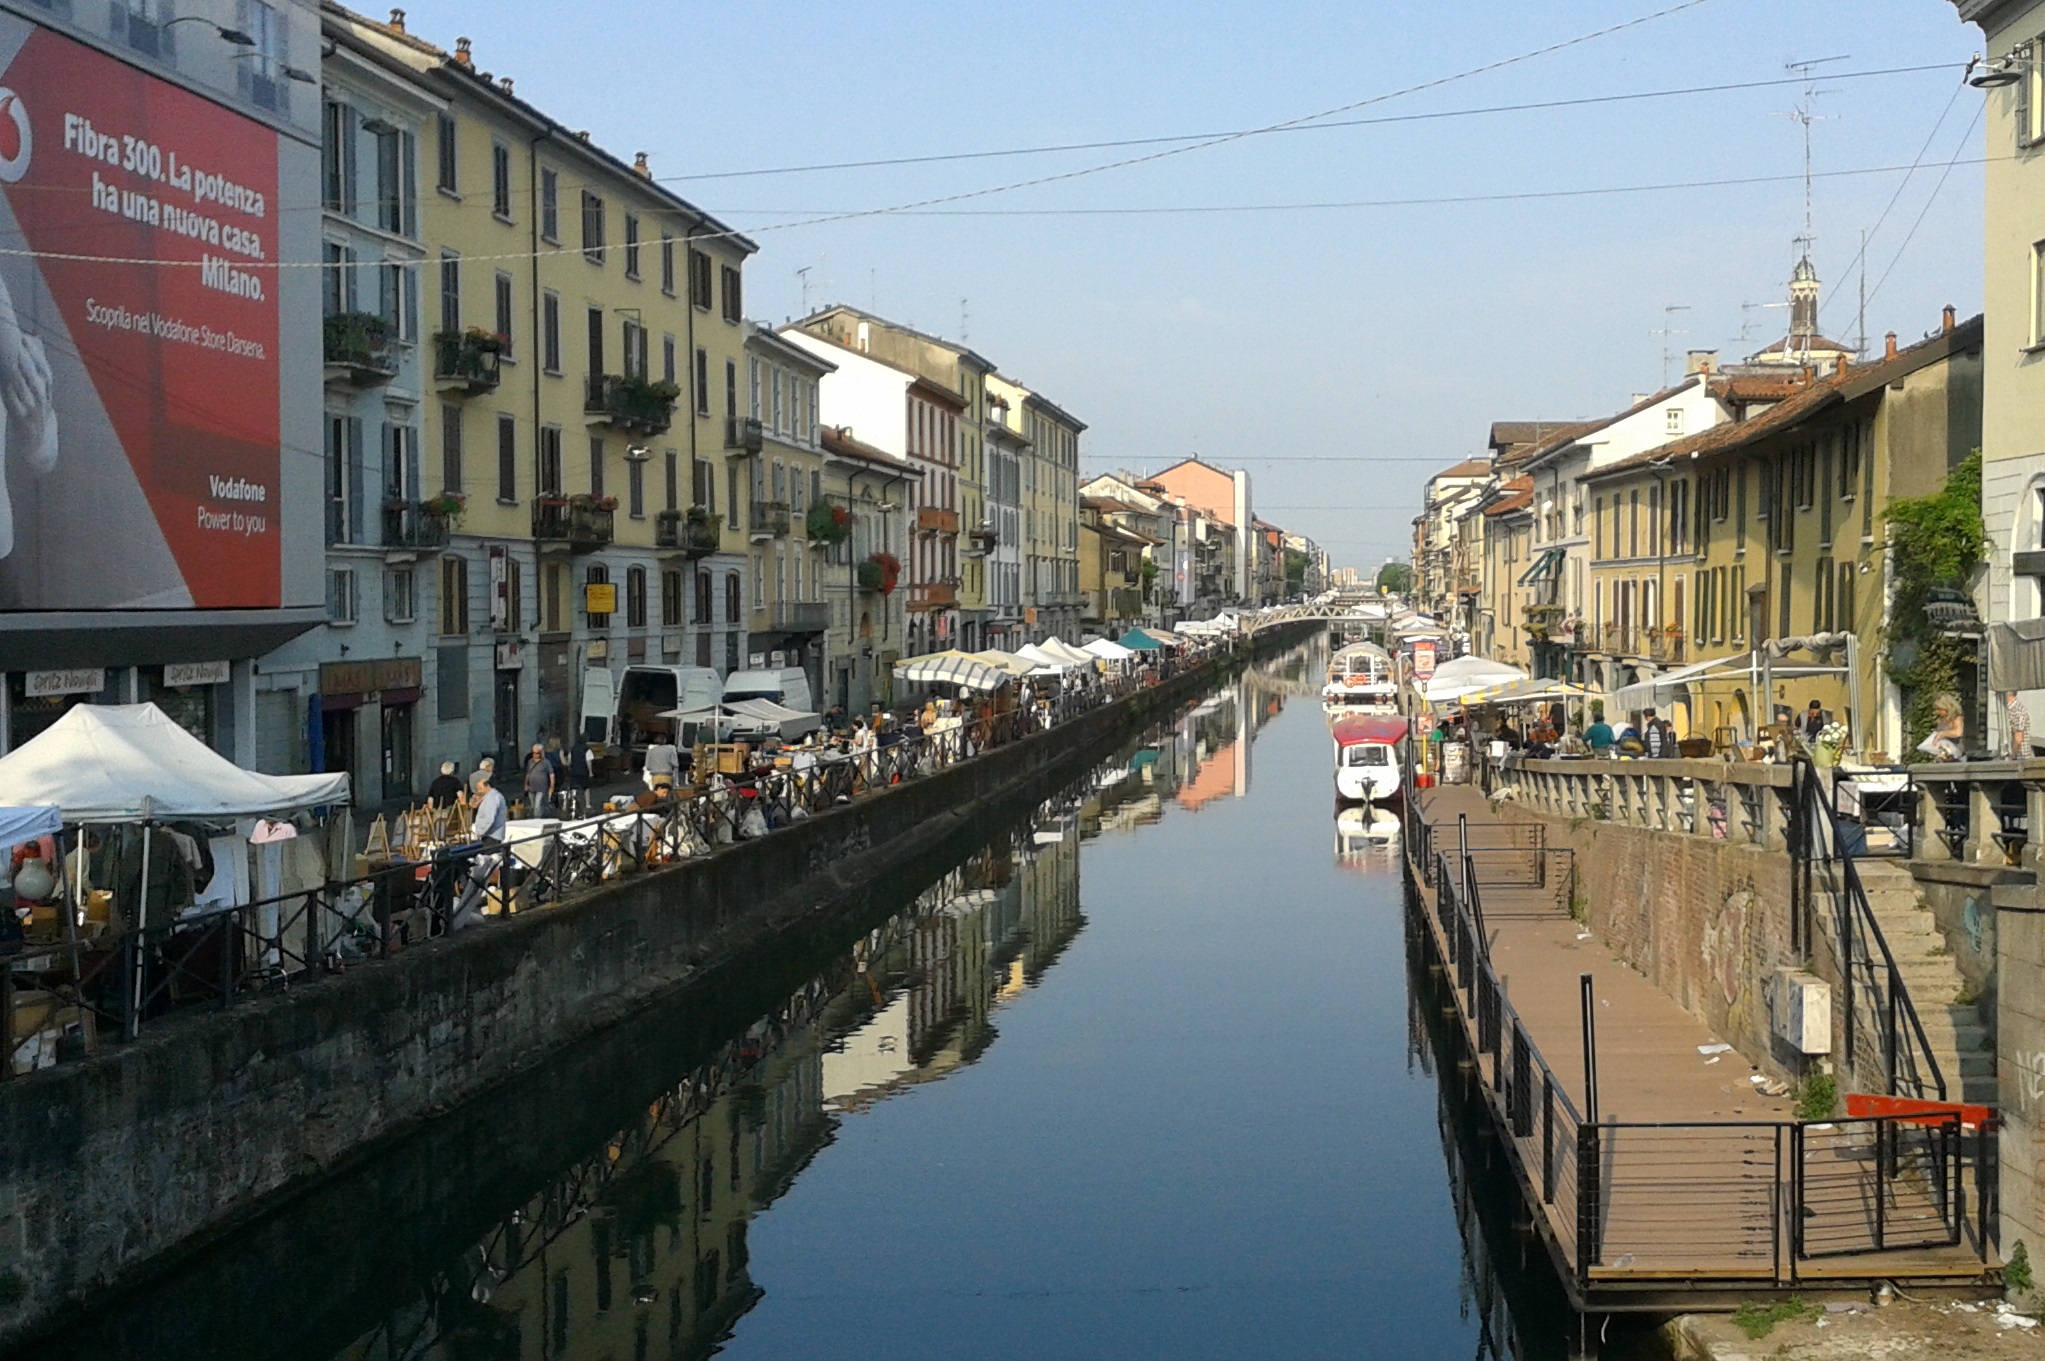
x=1860 y=255
x=1945 y=174
x=1535 y=106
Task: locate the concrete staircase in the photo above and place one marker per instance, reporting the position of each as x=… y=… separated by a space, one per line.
x=1966 y=1056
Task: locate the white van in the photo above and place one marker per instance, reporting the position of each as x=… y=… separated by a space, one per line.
x=647 y=692
x=786 y=686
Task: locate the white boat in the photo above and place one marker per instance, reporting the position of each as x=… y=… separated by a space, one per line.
x=1361 y=674
x=1364 y=835
x=1369 y=755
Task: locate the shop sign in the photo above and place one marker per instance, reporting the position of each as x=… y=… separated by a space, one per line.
x=1030 y=615
x=184 y=675
x=1423 y=660
x=78 y=681
x=368 y=678
x=600 y=597
x=511 y=655
x=599 y=649
x=670 y=644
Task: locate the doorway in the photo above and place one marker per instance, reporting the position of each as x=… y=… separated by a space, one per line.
x=337 y=745
x=397 y=751
x=506 y=707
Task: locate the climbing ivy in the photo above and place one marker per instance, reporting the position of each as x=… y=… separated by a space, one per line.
x=1935 y=543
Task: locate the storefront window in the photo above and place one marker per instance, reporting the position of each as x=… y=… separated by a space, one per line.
x=191 y=707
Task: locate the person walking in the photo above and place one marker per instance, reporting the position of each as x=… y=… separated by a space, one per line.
x=581 y=769
x=1657 y=736
x=539 y=782
x=488 y=832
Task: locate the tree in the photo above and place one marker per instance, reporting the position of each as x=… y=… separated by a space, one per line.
x=1395 y=578
x=1295 y=571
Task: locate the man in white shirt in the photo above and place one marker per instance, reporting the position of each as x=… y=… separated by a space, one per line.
x=488 y=830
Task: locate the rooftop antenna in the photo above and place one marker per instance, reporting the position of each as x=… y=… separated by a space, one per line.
x=1668 y=331
x=1747 y=310
x=802 y=277
x=1803 y=115
x=965 y=316
x=1860 y=336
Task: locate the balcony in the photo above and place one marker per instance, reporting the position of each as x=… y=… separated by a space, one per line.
x=630 y=404
x=933 y=595
x=414 y=525
x=465 y=362
x=770 y=520
x=694 y=533
x=801 y=616
x=744 y=435
x=358 y=350
x=581 y=524
x=982 y=541
x=934 y=520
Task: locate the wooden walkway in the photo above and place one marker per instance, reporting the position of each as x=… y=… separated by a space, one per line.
x=1690 y=1182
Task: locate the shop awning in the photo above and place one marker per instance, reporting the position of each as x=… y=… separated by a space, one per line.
x=2016 y=655
x=1545 y=566
x=952 y=668
x=1463 y=675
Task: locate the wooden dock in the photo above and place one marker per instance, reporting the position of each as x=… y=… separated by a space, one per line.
x=1679 y=1182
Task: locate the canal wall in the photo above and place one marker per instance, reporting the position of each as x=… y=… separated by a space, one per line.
x=113 y=1165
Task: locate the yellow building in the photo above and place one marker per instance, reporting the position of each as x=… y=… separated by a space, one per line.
x=585 y=425
x=1110 y=569
x=1051 y=597
x=1501 y=541
x=1756 y=548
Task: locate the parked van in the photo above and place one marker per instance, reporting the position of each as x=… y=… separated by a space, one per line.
x=646 y=692
x=788 y=687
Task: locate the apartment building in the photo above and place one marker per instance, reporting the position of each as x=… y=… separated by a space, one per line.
x=862 y=588
x=790 y=521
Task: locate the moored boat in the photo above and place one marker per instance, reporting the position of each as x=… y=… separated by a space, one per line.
x=1361 y=675
x=1370 y=751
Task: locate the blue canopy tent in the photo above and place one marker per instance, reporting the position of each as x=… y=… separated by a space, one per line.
x=1136 y=640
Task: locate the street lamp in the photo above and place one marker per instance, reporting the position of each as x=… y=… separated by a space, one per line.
x=1994 y=73
x=227 y=35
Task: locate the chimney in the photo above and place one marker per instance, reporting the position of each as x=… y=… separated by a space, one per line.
x=504 y=84
x=398 y=20
x=640 y=167
x=1889 y=350
x=1950 y=314
x=1701 y=361
x=583 y=134
x=1845 y=363
x=461 y=54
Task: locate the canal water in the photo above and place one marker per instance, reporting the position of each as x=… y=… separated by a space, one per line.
x=1155 y=1073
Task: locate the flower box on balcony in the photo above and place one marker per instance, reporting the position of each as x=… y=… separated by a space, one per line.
x=358 y=349
x=466 y=361
x=630 y=403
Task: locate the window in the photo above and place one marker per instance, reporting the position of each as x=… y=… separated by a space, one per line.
x=702 y=382
x=1824 y=499
x=450 y=293
x=593 y=321
x=1849 y=461
x=2038 y=293
x=504 y=319
x=507 y=460
x=699 y=279
x=341 y=595
x=1740 y=509
x=548 y=474
x=703 y=485
x=596 y=575
x=634 y=348
x=500 y=181
x=550 y=206
x=454 y=596
x=596 y=465
x=553 y=586
x=631 y=246
x=704 y=592
x=397 y=210
x=1672 y=420
x=450 y=448
x=732 y=607
x=635 y=597
x=635 y=487
x=550 y=332
x=667 y=264
x=400 y=595
x=1842 y=600
x=592 y=228
x=345 y=477
x=667 y=359
x=671 y=597
x=734 y=307
x=337 y=159
x=731 y=497
x=261 y=76
x=2029 y=104
x=513 y=615
x=671 y=479
x=1633 y=524
x=447 y=181
x=397 y=299
x=1823 y=583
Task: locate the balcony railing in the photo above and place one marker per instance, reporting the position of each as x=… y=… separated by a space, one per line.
x=576 y=522
x=801 y=616
x=407 y=524
x=466 y=361
x=935 y=520
x=983 y=540
x=744 y=434
x=933 y=595
x=630 y=404
x=694 y=533
x=358 y=349
x=770 y=520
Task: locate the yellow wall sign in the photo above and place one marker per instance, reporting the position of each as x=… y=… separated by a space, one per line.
x=600 y=597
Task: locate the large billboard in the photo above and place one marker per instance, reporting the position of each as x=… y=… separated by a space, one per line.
x=139 y=414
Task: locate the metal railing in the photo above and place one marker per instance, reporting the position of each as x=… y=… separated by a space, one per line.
x=1730 y=1200
x=1876 y=994
x=117 y=982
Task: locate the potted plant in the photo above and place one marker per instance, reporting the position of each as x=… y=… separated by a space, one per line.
x=592 y=501
x=448 y=505
x=827 y=523
x=881 y=572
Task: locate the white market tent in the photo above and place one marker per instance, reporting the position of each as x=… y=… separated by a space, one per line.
x=1065 y=653
x=1014 y=663
x=131 y=763
x=1465 y=675
x=952 y=668
x=1108 y=650
x=1040 y=660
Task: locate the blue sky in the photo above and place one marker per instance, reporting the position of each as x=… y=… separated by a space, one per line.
x=1379 y=341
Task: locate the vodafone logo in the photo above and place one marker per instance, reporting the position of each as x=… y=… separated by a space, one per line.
x=17 y=140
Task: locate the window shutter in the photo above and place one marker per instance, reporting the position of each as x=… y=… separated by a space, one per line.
x=2022 y=55
x=357 y=476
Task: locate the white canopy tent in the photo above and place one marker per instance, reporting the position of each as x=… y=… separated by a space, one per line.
x=952 y=668
x=1108 y=650
x=1465 y=675
x=1761 y=668
x=1014 y=663
x=1065 y=653
x=108 y=763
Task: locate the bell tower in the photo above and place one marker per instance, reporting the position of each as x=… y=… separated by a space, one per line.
x=1803 y=303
